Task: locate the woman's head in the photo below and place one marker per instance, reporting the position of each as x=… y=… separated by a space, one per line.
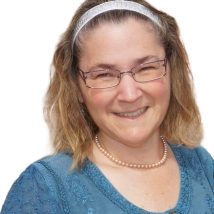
x=70 y=105
x=125 y=81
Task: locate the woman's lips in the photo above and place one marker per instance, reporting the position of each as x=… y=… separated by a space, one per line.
x=132 y=114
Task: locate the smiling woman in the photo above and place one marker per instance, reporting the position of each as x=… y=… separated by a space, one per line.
x=136 y=108
x=123 y=118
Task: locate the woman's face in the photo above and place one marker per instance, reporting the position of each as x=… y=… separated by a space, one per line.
x=130 y=112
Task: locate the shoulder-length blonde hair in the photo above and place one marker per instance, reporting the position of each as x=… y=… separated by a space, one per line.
x=71 y=127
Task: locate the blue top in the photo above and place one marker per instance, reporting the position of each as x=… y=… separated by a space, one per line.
x=49 y=186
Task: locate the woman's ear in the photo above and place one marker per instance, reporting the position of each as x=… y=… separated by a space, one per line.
x=79 y=92
x=80 y=96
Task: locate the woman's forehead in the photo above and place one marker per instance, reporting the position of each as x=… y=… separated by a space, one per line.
x=120 y=41
x=106 y=25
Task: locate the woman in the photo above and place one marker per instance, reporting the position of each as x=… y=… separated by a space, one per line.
x=123 y=118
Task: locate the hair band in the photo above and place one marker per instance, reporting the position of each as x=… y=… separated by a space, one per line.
x=113 y=5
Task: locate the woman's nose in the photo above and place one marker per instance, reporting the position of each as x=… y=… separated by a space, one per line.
x=128 y=90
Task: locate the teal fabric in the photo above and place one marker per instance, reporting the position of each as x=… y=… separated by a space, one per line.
x=49 y=186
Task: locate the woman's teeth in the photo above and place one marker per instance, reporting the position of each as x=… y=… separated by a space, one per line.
x=132 y=114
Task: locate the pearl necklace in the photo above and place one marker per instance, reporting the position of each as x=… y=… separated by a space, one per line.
x=133 y=165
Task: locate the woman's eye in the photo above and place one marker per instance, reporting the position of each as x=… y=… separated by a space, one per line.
x=101 y=75
x=150 y=67
x=147 y=68
x=104 y=75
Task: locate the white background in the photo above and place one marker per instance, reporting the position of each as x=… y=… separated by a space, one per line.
x=29 y=32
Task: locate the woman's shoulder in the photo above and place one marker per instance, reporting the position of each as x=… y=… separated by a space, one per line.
x=35 y=189
x=50 y=167
x=198 y=161
x=57 y=163
x=206 y=162
x=54 y=169
x=198 y=152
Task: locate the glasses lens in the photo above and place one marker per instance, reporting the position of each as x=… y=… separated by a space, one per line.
x=103 y=78
x=149 y=71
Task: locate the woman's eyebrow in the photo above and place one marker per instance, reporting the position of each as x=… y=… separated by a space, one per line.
x=102 y=66
x=146 y=59
x=140 y=60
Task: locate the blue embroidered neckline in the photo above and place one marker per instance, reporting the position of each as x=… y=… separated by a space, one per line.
x=102 y=183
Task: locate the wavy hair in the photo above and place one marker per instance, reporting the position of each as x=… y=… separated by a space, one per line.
x=71 y=127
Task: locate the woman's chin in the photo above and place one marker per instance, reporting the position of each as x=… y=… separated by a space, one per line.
x=134 y=139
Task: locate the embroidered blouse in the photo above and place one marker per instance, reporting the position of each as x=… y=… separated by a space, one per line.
x=48 y=186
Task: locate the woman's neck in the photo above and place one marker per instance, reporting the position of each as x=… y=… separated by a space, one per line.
x=149 y=151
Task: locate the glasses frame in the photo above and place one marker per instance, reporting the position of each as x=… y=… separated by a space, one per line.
x=83 y=74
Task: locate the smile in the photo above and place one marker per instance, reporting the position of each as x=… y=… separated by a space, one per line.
x=132 y=114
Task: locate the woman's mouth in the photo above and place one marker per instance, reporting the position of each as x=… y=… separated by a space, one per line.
x=132 y=114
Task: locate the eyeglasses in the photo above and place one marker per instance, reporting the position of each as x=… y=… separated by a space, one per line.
x=108 y=78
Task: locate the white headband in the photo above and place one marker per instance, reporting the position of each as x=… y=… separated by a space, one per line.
x=113 y=5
